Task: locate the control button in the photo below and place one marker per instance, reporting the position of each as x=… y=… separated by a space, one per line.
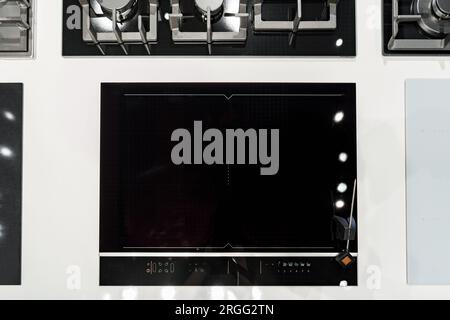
x=345 y=259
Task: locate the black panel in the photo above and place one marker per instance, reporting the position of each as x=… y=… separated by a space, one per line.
x=224 y=271
x=10 y=183
x=277 y=43
x=150 y=204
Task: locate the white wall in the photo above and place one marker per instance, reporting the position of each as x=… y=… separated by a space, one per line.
x=61 y=157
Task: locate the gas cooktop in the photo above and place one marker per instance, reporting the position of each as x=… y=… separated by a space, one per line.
x=16 y=38
x=228 y=184
x=416 y=26
x=209 y=27
x=10 y=183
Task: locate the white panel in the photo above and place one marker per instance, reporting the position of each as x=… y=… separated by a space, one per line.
x=428 y=181
x=61 y=159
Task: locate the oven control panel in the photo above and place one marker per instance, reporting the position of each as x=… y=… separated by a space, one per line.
x=226 y=271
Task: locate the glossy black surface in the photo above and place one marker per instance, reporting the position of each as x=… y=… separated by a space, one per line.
x=149 y=204
x=224 y=271
x=10 y=183
x=410 y=30
x=306 y=43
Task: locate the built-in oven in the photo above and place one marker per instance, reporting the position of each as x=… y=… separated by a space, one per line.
x=228 y=184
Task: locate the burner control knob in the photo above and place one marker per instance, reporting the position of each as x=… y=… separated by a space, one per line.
x=441 y=8
x=124 y=8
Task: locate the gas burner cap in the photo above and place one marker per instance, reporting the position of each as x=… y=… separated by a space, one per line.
x=124 y=8
x=442 y=8
x=215 y=6
x=435 y=16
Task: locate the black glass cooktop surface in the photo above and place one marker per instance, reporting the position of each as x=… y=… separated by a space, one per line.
x=209 y=27
x=10 y=183
x=226 y=168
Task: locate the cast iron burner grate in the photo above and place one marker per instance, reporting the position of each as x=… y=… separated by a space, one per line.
x=119 y=22
x=209 y=21
x=209 y=27
x=297 y=23
x=15 y=28
x=421 y=26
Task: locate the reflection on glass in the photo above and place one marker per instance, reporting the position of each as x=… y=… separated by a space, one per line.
x=6 y=152
x=342 y=187
x=9 y=115
x=340 y=204
x=343 y=157
x=338 y=117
